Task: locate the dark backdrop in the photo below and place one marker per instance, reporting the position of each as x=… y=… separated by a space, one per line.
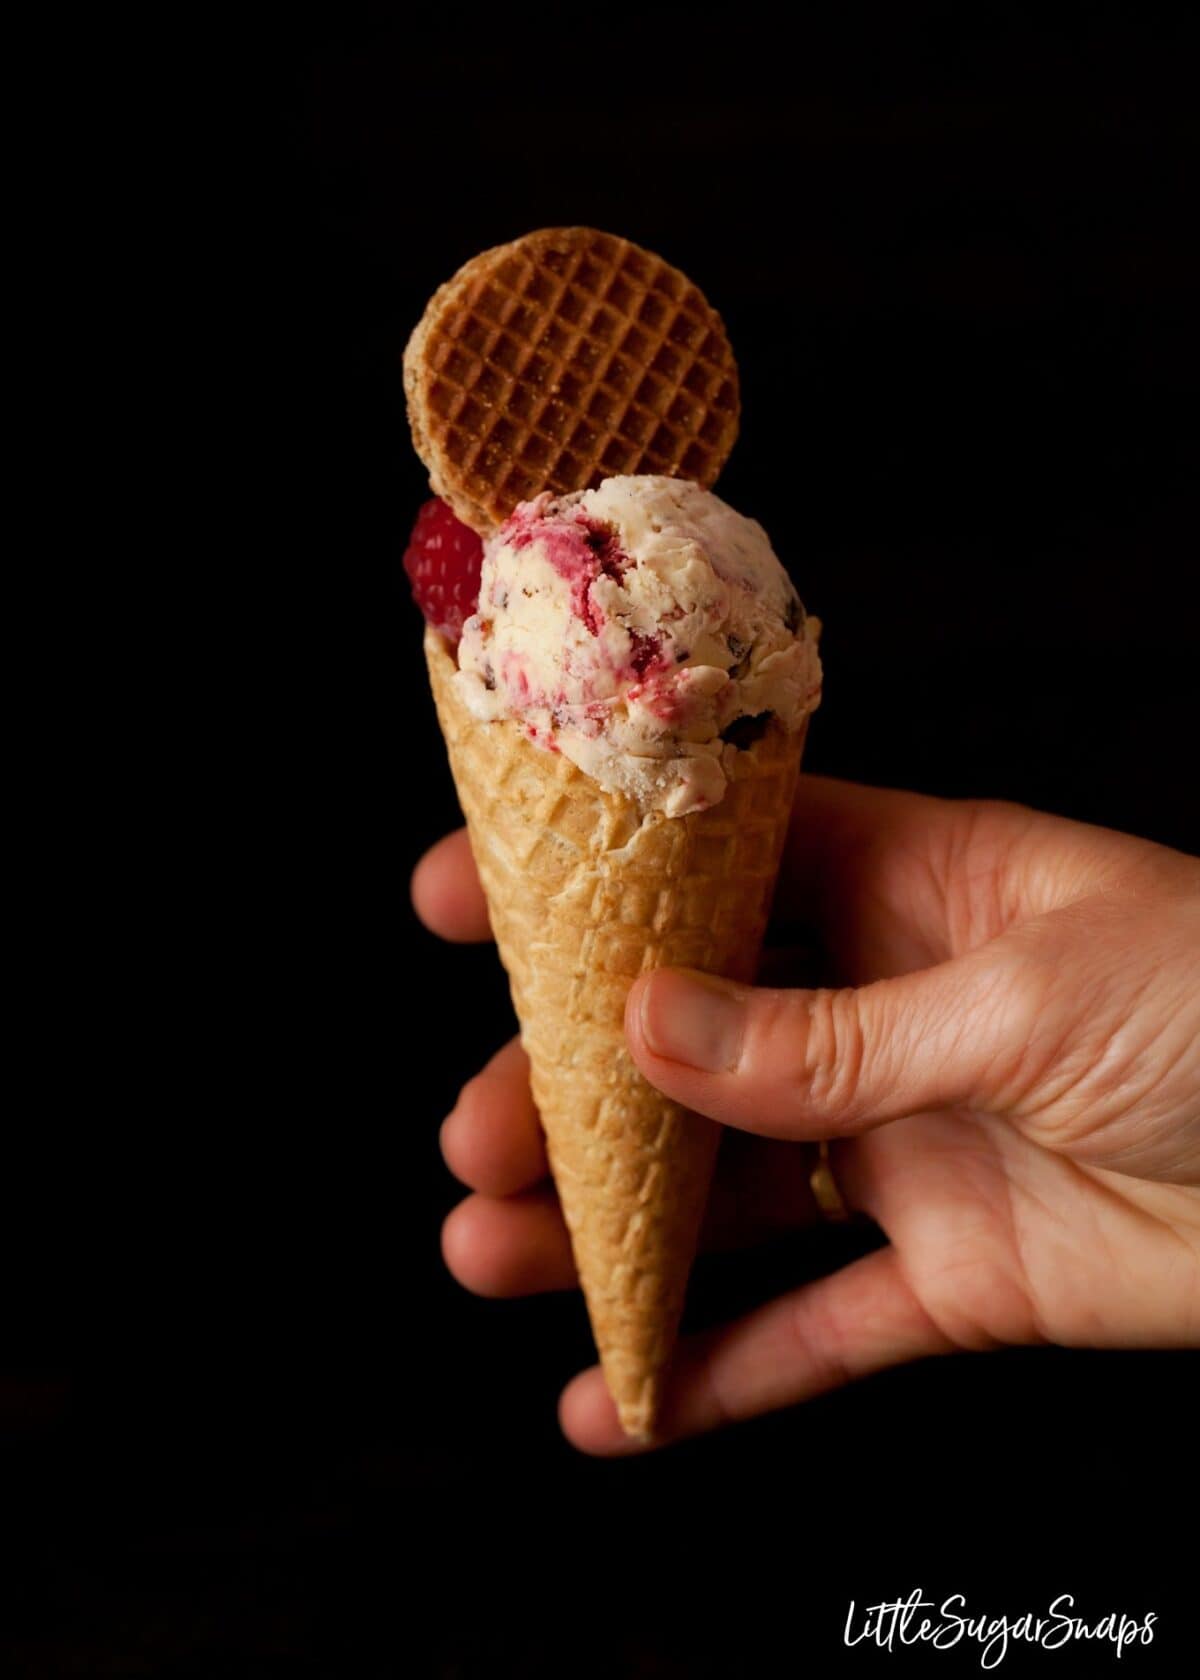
x=251 y=1426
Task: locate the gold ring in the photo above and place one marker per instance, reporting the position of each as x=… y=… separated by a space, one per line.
x=829 y=1199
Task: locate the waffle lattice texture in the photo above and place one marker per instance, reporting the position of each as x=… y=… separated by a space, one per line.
x=585 y=894
x=564 y=358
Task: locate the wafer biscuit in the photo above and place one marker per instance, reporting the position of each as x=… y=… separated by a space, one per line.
x=559 y=360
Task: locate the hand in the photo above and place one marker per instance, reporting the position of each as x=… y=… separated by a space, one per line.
x=1011 y=1074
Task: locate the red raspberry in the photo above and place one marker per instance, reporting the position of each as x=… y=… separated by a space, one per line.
x=442 y=560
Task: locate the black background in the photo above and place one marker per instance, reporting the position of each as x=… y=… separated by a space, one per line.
x=251 y=1427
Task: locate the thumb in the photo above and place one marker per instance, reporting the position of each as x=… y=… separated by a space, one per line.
x=819 y=1064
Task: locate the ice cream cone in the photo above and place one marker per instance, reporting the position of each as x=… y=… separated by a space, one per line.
x=586 y=892
x=624 y=717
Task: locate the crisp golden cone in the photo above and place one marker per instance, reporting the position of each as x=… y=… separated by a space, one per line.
x=585 y=894
x=559 y=360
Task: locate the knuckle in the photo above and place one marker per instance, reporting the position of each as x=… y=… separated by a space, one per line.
x=722 y=1402
x=831 y=1052
x=819 y=1341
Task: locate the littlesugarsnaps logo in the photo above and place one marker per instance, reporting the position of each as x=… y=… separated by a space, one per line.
x=919 y=1621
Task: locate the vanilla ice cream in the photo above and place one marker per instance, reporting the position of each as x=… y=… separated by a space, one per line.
x=628 y=627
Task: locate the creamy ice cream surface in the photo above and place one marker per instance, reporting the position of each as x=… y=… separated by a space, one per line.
x=628 y=627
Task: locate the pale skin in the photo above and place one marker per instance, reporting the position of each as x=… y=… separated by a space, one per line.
x=1009 y=1072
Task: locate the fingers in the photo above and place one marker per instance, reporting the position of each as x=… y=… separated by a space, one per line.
x=518 y=1244
x=819 y=1064
x=446 y=893
x=509 y=1238
x=515 y=1246
x=502 y=1241
x=858 y=1321
x=492 y=1140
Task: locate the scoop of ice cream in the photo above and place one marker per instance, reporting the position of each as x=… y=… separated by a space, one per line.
x=629 y=627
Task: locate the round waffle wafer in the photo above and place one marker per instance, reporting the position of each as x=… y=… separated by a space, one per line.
x=562 y=359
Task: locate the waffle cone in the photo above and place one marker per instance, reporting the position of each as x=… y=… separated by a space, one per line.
x=585 y=893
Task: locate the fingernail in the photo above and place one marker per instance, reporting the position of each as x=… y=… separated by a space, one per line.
x=692 y=1019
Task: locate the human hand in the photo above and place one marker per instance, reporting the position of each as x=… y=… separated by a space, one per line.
x=1011 y=1075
